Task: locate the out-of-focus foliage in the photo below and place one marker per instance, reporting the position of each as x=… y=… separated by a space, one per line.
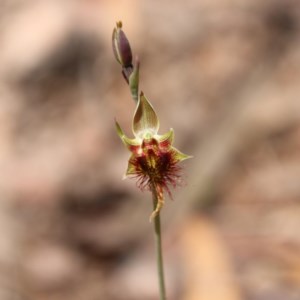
x=225 y=75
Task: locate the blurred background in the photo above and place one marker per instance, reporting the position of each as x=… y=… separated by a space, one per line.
x=225 y=75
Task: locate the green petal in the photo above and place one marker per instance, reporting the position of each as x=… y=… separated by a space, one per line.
x=179 y=156
x=131 y=144
x=131 y=169
x=167 y=139
x=145 y=121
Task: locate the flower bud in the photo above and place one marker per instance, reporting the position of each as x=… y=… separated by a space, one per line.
x=121 y=46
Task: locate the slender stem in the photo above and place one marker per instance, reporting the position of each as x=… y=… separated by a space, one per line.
x=158 y=246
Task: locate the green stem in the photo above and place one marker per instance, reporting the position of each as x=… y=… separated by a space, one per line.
x=158 y=246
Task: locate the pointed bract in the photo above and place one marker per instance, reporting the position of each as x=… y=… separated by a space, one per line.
x=134 y=80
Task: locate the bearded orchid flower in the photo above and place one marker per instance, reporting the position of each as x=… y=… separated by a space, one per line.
x=153 y=161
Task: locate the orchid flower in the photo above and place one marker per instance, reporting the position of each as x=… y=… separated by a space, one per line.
x=153 y=161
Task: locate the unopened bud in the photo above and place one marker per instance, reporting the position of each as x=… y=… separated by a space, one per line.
x=121 y=46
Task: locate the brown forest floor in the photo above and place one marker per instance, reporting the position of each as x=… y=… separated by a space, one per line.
x=225 y=75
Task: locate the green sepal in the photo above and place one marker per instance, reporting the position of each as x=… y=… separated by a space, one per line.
x=179 y=156
x=167 y=139
x=131 y=168
x=145 y=120
x=131 y=144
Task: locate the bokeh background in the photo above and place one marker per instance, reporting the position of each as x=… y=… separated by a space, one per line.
x=225 y=75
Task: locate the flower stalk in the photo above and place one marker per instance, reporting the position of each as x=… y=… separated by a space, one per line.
x=158 y=248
